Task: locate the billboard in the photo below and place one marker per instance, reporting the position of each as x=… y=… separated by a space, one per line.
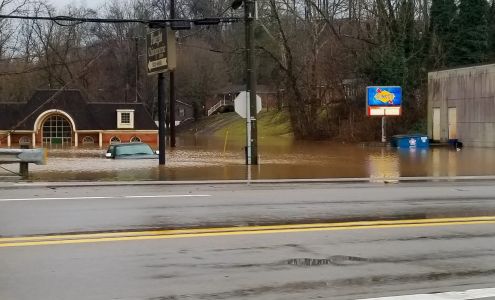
x=383 y=100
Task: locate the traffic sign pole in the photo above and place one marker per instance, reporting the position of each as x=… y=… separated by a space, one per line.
x=252 y=136
x=161 y=119
x=157 y=62
x=248 y=130
x=384 y=137
x=172 y=87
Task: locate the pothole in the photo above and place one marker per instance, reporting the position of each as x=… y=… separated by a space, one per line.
x=337 y=260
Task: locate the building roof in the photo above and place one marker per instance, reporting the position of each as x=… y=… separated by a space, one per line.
x=447 y=72
x=106 y=116
x=86 y=115
x=10 y=112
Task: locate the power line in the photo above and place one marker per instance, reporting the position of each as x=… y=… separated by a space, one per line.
x=212 y=49
x=150 y=23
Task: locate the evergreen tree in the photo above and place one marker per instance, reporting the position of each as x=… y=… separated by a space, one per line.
x=471 y=39
x=441 y=35
x=491 y=32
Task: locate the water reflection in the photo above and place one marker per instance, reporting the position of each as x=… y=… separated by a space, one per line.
x=198 y=158
x=383 y=166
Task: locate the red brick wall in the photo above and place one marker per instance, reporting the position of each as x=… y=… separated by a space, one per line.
x=3 y=140
x=14 y=139
x=81 y=136
x=149 y=138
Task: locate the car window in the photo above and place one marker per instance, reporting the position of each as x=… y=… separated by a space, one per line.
x=140 y=149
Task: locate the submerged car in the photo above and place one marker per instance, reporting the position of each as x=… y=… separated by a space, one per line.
x=131 y=151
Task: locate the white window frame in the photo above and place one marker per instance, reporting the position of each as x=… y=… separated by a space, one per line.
x=115 y=140
x=119 y=118
x=88 y=140
x=24 y=140
x=135 y=139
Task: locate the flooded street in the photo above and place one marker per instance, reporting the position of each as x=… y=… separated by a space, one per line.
x=283 y=158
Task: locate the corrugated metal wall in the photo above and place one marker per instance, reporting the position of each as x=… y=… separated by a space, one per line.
x=471 y=91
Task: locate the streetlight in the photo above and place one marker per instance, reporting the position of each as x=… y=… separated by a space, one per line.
x=252 y=130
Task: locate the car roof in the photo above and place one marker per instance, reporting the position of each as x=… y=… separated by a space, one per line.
x=131 y=144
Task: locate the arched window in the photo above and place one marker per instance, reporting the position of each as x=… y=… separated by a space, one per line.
x=57 y=130
x=114 y=140
x=25 y=140
x=88 y=140
x=135 y=139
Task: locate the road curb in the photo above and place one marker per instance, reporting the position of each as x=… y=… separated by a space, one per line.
x=26 y=184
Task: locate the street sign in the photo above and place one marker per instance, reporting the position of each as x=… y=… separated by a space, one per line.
x=383 y=100
x=156 y=53
x=240 y=104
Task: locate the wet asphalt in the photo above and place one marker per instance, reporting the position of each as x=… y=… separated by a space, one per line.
x=233 y=205
x=348 y=264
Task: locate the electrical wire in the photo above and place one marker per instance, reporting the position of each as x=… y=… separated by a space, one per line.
x=79 y=20
x=67 y=25
x=10 y=171
x=211 y=49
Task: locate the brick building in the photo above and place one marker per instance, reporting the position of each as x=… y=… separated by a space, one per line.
x=67 y=118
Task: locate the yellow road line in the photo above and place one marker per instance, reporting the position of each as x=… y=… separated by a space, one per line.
x=225 y=231
x=243 y=228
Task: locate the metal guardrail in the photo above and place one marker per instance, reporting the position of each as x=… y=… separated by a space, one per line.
x=23 y=157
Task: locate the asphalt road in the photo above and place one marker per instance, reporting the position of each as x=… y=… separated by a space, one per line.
x=112 y=255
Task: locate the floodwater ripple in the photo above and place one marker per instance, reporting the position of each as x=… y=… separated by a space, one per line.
x=205 y=159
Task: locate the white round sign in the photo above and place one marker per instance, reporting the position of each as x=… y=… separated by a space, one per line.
x=240 y=104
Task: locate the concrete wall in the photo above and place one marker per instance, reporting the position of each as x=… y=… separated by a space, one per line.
x=472 y=92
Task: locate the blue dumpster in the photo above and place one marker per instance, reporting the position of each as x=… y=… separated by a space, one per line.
x=410 y=141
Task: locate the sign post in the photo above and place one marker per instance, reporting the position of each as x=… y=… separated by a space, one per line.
x=384 y=137
x=250 y=16
x=160 y=53
x=383 y=101
x=242 y=106
x=250 y=23
x=172 y=87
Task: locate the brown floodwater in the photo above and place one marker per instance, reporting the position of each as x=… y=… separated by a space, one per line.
x=210 y=158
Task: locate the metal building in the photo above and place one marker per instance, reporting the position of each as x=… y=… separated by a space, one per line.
x=461 y=105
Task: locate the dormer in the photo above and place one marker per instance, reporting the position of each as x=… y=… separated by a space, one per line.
x=125 y=118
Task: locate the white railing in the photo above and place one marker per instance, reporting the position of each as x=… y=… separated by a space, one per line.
x=215 y=107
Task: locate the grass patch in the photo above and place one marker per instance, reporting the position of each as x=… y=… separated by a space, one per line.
x=209 y=125
x=270 y=124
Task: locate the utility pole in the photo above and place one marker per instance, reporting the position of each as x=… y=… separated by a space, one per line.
x=158 y=63
x=161 y=119
x=251 y=112
x=252 y=140
x=136 y=48
x=172 y=88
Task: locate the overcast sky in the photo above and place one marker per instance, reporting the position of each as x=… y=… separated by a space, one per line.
x=86 y=3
